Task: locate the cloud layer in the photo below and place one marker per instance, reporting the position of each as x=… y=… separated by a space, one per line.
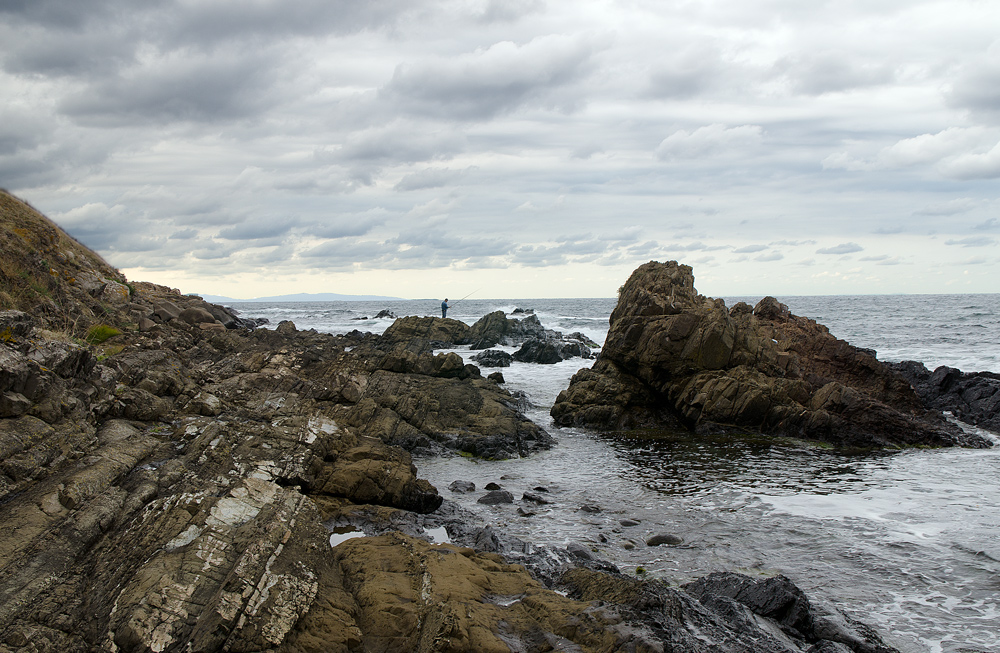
x=526 y=147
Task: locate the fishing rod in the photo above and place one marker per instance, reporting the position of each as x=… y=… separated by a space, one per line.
x=466 y=297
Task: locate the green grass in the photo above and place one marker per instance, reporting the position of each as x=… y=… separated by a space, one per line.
x=101 y=332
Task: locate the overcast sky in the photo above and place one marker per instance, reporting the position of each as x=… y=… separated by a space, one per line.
x=512 y=148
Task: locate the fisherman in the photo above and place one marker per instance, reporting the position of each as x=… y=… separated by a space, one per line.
x=444 y=308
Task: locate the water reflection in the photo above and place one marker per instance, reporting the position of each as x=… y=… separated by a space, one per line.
x=680 y=463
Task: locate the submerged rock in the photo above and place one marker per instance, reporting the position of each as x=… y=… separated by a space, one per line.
x=676 y=359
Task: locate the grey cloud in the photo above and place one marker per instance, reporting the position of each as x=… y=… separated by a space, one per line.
x=338 y=227
x=506 y=11
x=709 y=140
x=62 y=14
x=692 y=72
x=539 y=256
x=989 y=225
x=791 y=243
x=770 y=256
x=215 y=20
x=750 y=249
x=951 y=207
x=977 y=87
x=843 y=248
x=972 y=241
x=258 y=229
x=199 y=89
x=399 y=142
x=817 y=73
x=428 y=178
x=485 y=83
x=184 y=234
x=55 y=53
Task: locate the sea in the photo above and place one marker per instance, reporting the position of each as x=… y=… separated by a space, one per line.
x=908 y=541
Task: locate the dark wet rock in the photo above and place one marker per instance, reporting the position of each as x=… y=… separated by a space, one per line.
x=550 y=351
x=676 y=359
x=522 y=311
x=525 y=512
x=493 y=358
x=496 y=377
x=580 y=551
x=493 y=486
x=664 y=539
x=534 y=498
x=462 y=486
x=973 y=397
x=495 y=497
x=627 y=523
x=385 y=313
x=590 y=508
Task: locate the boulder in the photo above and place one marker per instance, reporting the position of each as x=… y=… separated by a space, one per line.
x=493 y=358
x=973 y=397
x=674 y=358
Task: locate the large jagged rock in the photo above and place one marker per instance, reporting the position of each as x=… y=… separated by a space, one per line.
x=674 y=358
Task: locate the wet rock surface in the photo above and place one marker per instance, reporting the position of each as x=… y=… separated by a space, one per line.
x=973 y=397
x=676 y=359
x=185 y=481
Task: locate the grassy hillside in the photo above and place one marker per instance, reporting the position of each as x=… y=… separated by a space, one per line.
x=46 y=272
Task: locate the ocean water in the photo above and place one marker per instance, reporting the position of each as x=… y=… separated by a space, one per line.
x=908 y=541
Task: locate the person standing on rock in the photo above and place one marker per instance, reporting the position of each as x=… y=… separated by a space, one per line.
x=444 y=308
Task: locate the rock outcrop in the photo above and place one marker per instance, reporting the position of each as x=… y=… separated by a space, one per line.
x=676 y=359
x=973 y=397
x=171 y=480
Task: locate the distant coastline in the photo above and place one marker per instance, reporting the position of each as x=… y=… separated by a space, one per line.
x=302 y=297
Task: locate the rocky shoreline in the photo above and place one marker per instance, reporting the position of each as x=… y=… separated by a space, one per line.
x=171 y=477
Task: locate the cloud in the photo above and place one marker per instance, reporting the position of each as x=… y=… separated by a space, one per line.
x=709 y=140
x=843 y=248
x=951 y=207
x=558 y=142
x=972 y=241
x=482 y=84
x=974 y=165
x=831 y=71
x=428 y=178
x=225 y=86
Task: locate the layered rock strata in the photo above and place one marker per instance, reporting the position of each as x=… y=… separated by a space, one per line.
x=676 y=359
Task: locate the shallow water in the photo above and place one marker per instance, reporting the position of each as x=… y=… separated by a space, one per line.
x=907 y=541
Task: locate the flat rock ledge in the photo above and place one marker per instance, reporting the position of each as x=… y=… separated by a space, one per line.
x=674 y=359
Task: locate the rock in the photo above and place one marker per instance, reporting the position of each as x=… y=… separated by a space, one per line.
x=493 y=486
x=973 y=397
x=590 y=508
x=495 y=497
x=534 y=498
x=493 y=358
x=462 y=486
x=177 y=490
x=628 y=523
x=497 y=377
x=385 y=313
x=664 y=538
x=676 y=359
x=579 y=551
